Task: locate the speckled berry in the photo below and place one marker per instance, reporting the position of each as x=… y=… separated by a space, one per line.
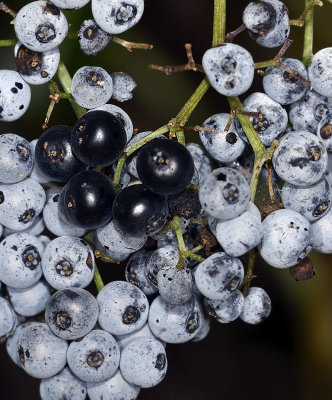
x=40 y=26
x=71 y=313
x=61 y=386
x=68 y=262
x=91 y=87
x=143 y=362
x=229 y=68
x=320 y=71
x=7 y=319
x=20 y=260
x=257 y=306
x=15 y=95
x=219 y=275
x=41 y=353
x=95 y=358
x=321 y=232
x=224 y=194
x=300 y=159
x=123 y=86
x=123 y=308
x=287 y=238
x=227 y=310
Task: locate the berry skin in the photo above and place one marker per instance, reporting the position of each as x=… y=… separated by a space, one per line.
x=175 y=323
x=137 y=211
x=123 y=86
x=95 y=358
x=324 y=131
x=321 y=232
x=224 y=194
x=92 y=39
x=70 y=4
x=287 y=238
x=112 y=239
x=71 y=313
x=281 y=85
x=271 y=120
x=53 y=221
x=219 y=275
x=30 y=301
x=16 y=160
x=91 y=87
x=40 y=26
x=229 y=68
x=35 y=67
x=68 y=262
x=227 y=310
x=115 y=388
x=313 y=202
x=222 y=146
x=131 y=161
x=201 y=160
x=7 y=319
x=300 y=159
x=165 y=167
x=119 y=114
x=86 y=201
x=267 y=22
x=98 y=139
x=123 y=308
x=40 y=352
x=166 y=256
x=257 y=306
x=320 y=70
x=15 y=95
x=145 y=331
x=21 y=203
x=239 y=235
x=36 y=173
x=54 y=156
x=11 y=343
x=20 y=260
x=306 y=113
x=136 y=272
x=61 y=386
x=116 y=16
x=143 y=362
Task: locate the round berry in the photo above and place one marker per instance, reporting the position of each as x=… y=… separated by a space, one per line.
x=98 y=138
x=257 y=306
x=320 y=70
x=165 y=167
x=40 y=26
x=92 y=39
x=123 y=86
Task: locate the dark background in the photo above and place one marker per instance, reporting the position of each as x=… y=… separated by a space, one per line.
x=290 y=355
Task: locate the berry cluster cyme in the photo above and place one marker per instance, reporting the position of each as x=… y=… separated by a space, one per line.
x=183 y=218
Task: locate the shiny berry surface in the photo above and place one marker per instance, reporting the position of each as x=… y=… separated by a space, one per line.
x=165 y=167
x=137 y=211
x=98 y=138
x=54 y=156
x=87 y=199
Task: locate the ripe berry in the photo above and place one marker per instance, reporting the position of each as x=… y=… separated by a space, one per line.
x=92 y=39
x=165 y=167
x=137 y=211
x=54 y=155
x=87 y=199
x=98 y=138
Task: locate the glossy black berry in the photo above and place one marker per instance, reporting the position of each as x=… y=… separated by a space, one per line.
x=54 y=156
x=137 y=211
x=98 y=138
x=86 y=201
x=165 y=166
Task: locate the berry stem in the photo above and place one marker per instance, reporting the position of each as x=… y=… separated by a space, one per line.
x=7 y=10
x=98 y=280
x=219 y=22
x=65 y=80
x=308 y=36
x=100 y=254
x=309 y=5
x=8 y=42
x=131 y=45
x=249 y=274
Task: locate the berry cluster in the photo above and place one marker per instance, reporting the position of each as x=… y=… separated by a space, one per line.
x=182 y=217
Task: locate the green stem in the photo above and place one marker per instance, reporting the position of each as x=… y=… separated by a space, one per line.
x=98 y=280
x=192 y=103
x=308 y=36
x=219 y=22
x=249 y=274
x=8 y=42
x=65 y=80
